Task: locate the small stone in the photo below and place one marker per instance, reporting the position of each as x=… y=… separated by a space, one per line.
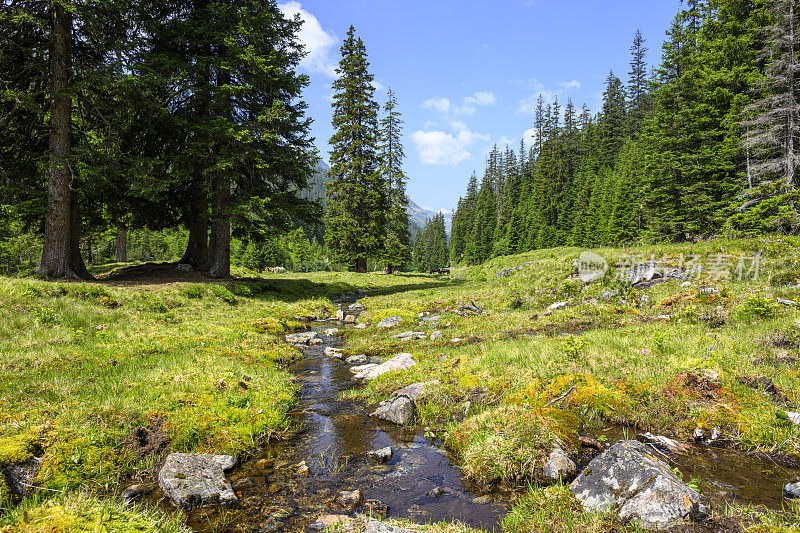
x=339 y=314
x=303 y=470
x=709 y=290
x=333 y=352
x=456 y=339
x=375 y=526
x=375 y=508
x=315 y=340
x=135 y=492
x=263 y=465
x=559 y=466
x=271 y=525
x=436 y=335
x=416 y=391
x=389 y=322
x=482 y=500
x=435 y=493
x=349 y=499
x=556 y=306
x=360 y=326
x=330 y=521
x=699 y=435
x=686 y=284
x=609 y=294
x=183 y=267
x=357 y=359
x=350 y=319
x=792 y=490
x=331 y=332
x=382 y=455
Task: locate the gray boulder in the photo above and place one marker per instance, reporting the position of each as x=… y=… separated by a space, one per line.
x=436 y=335
x=389 y=322
x=792 y=490
x=349 y=499
x=183 y=267
x=559 y=466
x=399 y=410
x=307 y=337
x=630 y=480
x=402 y=361
x=643 y=272
x=359 y=359
x=191 y=480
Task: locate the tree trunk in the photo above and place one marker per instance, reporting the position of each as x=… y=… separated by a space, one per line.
x=197 y=247
x=790 y=157
x=361 y=265
x=60 y=251
x=220 y=248
x=122 y=246
x=389 y=269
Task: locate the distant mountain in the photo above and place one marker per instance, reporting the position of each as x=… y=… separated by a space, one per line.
x=416 y=214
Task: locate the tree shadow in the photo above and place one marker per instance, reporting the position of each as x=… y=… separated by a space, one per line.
x=283 y=289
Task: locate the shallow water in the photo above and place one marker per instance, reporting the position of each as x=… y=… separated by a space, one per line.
x=335 y=436
x=274 y=495
x=728 y=475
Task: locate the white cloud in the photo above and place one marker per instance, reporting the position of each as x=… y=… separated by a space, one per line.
x=527 y=105
x=442 y=105
x=570 y=85
x=319 y=44
x=439 y=148
x=378 y=85
x=442 y=148
x=468 y=104
x=530 y=136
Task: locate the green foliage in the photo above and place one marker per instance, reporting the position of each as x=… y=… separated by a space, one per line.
x=757 y=306
x=223 y=294
x=357 y=196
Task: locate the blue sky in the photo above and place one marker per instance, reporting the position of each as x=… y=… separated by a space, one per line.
x=467 y=74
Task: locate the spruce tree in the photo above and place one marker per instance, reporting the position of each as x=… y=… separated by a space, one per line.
x=772 y=130
x=357 y=196
x=397 y=245
x=637 y=84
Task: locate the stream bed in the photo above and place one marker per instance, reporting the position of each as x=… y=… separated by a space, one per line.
x=288 y=484
x=277 y=493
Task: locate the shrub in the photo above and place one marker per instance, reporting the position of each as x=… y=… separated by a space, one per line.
x=757 y=306
x=223 y=294
x=194 y=292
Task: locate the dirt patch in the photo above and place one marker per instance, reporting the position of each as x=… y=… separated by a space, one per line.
x=145 y=441
x=153 y=274
x=766 y=385
x=702 y=384
x=780 y=359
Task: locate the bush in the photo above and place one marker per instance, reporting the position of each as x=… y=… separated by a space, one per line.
x=224 y=294
x=194 y=292
x=757 y=306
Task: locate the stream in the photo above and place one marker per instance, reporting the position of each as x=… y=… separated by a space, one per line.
x=274 y=494
x=288 y=484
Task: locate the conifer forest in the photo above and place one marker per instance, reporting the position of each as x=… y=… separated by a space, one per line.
x=222 y=309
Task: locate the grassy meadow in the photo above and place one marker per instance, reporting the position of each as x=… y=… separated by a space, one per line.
x=102 y=380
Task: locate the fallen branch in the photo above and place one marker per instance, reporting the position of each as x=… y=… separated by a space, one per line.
x=554 y=400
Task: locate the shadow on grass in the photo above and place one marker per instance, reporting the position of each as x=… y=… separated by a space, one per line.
x=286 y=290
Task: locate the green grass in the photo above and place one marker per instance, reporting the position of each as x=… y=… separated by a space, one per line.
x=86 y=364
